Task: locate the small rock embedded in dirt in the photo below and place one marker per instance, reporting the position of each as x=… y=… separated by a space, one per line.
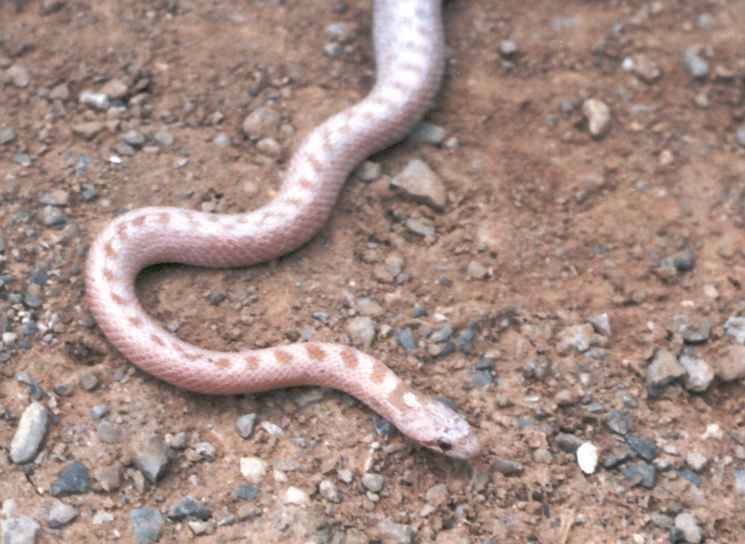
x=406 y=340
x=688 y=526
x=108 y=477
x=61 y=514
x=296 y=496
x=587 y=457
x=508 y=48
x=477 y=271
x=362 y=331
x=97 y=101
x=51 y=216
x=373 y=482
x=32 y=428
x=601 y=323
x=577 y=337
x=327 y=489
x=151 y=457
x=188 y=508
x=735 y=327
x=646 y=449
x=642 y=474
x=507 y=467
x=697 y=461
x=699 y=373
x=740 y=136
x=730 y=365
x=619 y=422
x=567 y=442
x=646 y=70
x=418 y=182
x=88 y=130
x=7 y=135
x=73 y=480
x=147 y=525
x=696 y=65
x=115 y=89
x=19 y=530
x=19 y=76
x=246 y=492
x=598 y=117
x=253 y=469
x=245 y=425
x=428 y=133
x=261 y=122
x=663 y=371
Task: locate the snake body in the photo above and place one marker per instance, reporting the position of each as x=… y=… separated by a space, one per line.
x=409 y=52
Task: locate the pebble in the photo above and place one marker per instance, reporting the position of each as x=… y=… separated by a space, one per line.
x=477 y=271
x=646 y=70
x=437 y=495
x=32 y=428
x=619 y=422
x=189 y=508
x=419 y=182
x=134 y=138
x=340 y=32
x=687 y=524
x=735 y=327
x=73 y=480
x=508 y=48
x=369 y=171
x=740 y=481
x=327 y=489
x=245 y=425
x=253 y=469
x=100 y=411
x=60 y=92
x=147 y=525
x=152 y=457
x=646 y=449
x=362 y=331
x=601 y=323
x=50 y=216
x=428 y=133
x=7 y=135
x=163 y=137
x=695 y=331
x=221 y=139
x=102 y=517
x=421 y=226
x=19 y=530
x=261 y=122
x=19 y=76
x=89 y=381
x=406 y=340
x=598 y=117
x=577 y=337
x=61 y=514
x=699 y=373
x=373 y=482
x=246 y=492
x=108 y=477
x=567 y=442
x=740 y=135
x=697 y=461
x=395 y=533
x=108 y=432
x=587 y=457
x=369 y=307
x=296 y=496
x=88 y=130
x=97 y=101
x=730 y=366
x=696 y=65
x=115 y=89
x=642 y=474
x=663 y=371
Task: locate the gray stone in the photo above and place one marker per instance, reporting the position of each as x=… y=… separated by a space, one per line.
x=362 y=331
x=418 y=182
x=601 y=323
x=328 y=491
x=7 y=135
x=134 y=138
x=147 y=525
x=395 y=533
x=32 y=428
x=735 y=327
x=730 y=366
x=261 y=122
x=428 y=133
x=619 y=422
x=696 y=65
x=644 y=448
x=88 y=130
x=687 y=524
x=19 y=530
x=61 y=514
x=697 y=461
x=152 y=457
x=245 y=425
x=73 y=480
x=163 y=137
x=642 y=474
x=645 y=69
x=740 y=135
x=699 y=373
x=576 y=337
x=19 y=76
x=108 y=432
x=188 y=508
x=51 y=216
x=663 y=371
x=373 y=482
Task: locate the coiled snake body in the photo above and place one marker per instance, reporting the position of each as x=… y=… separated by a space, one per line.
x=409 y=50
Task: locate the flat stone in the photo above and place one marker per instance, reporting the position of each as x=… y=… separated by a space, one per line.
x=147 y=525
x=32 y=428
x=188 y=508
x=253 y=469
x=152 y=457
x=61 y=514
x=73 y=480
x=245 y=425
x=419 y=182
x=663 y=371
x=19 y=530
x=730 y=365
x=362 y=331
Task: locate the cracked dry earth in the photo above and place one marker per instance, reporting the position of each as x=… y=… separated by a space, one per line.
x=556 y=251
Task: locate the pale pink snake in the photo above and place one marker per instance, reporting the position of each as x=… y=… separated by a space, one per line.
x=409 y=49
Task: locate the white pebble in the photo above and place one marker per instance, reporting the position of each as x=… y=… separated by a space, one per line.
x=253 y=469
x=295 y=495
x=587 y=457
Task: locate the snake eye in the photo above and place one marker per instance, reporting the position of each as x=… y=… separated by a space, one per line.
x=444 y=445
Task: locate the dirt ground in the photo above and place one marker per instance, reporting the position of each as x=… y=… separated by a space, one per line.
x=547 y=228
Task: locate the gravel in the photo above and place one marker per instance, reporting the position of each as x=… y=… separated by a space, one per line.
x=73 y=480
x=147 y=525
x=32 y=428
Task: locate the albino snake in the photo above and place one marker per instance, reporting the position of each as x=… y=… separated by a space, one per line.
x=409 y=52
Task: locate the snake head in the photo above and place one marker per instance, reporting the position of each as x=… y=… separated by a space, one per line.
x=444 y=430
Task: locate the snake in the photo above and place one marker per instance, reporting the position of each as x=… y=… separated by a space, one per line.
x=409 y=49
